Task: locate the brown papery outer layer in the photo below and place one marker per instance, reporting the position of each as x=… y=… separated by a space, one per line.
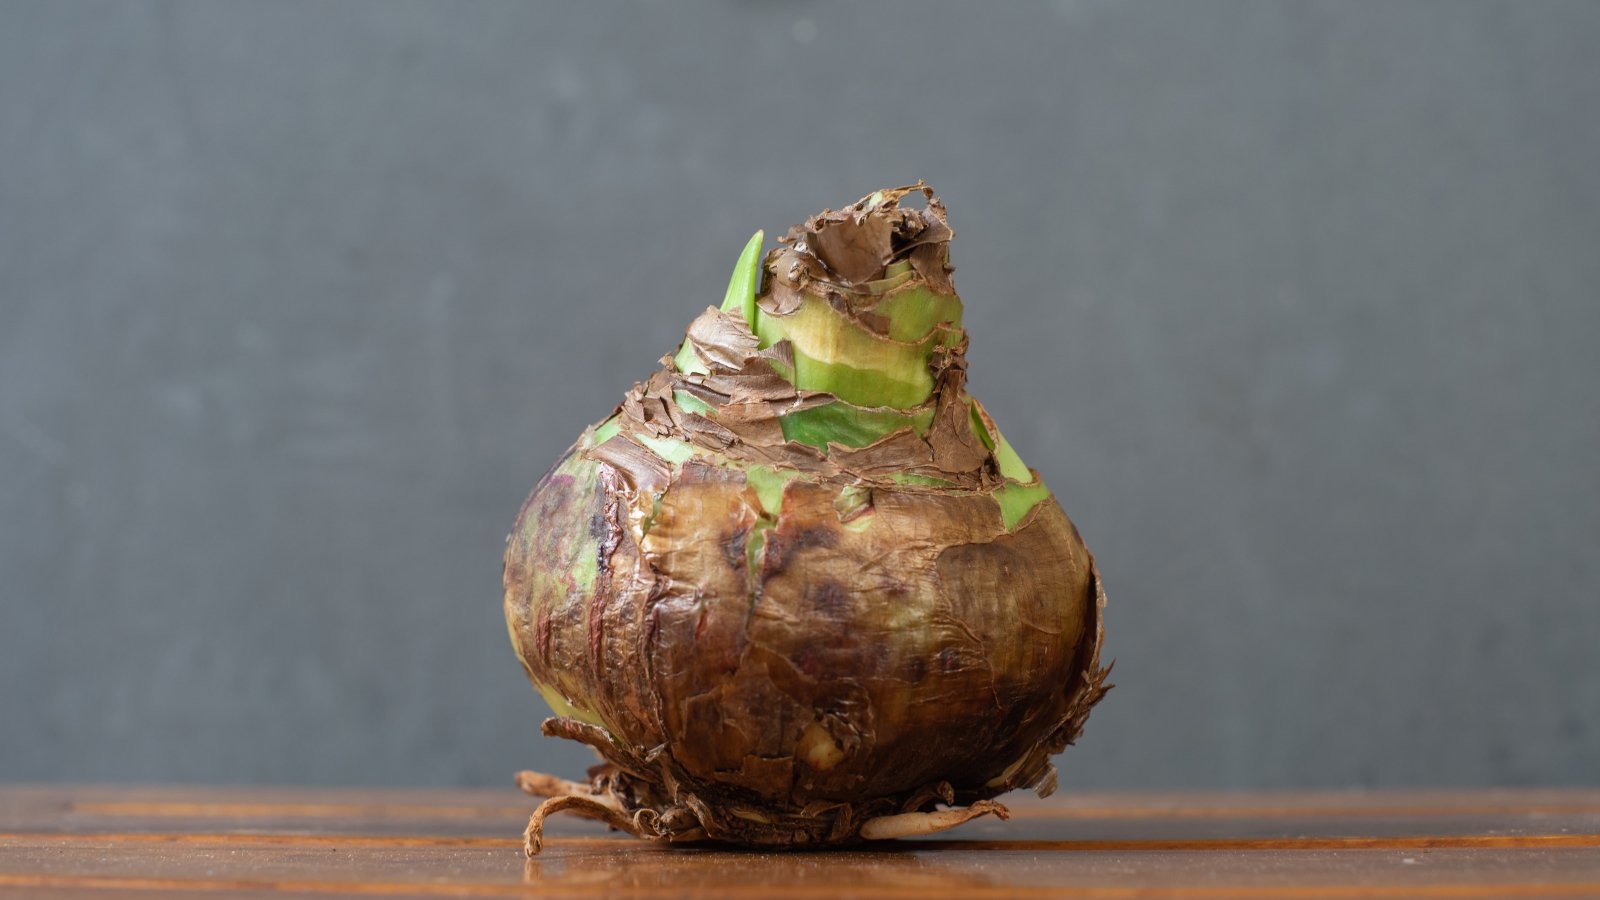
x=867 y=649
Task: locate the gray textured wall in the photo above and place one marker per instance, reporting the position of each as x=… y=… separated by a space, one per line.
x=1295 y=304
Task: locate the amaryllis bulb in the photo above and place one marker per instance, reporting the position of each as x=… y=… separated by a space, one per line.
x=797 y=588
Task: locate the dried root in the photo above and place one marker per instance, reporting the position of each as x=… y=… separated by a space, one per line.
x=582 y=800
x=917 y=824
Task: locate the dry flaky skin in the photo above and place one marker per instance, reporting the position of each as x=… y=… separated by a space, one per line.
x=775 y=643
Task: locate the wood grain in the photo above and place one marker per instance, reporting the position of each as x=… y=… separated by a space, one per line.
x=94 y=841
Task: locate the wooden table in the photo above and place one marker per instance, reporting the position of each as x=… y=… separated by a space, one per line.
x=88 y=841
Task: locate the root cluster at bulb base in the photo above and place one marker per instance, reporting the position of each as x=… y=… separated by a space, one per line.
x=609 y=799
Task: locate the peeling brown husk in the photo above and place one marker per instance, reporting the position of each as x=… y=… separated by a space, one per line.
x=774 y=643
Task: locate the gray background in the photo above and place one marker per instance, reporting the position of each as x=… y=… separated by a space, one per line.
x=1295 y=304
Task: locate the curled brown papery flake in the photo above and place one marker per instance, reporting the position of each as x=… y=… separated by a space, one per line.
x=849 y=248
